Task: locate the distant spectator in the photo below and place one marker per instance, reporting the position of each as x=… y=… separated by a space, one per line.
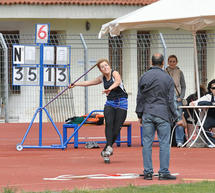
x=180 y=88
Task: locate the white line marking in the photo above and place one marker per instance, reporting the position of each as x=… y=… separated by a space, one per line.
x=99 y=176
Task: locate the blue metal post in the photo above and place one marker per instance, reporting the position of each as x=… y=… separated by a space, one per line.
x=41 y=95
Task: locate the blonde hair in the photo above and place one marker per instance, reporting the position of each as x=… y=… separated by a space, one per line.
x=100 y=61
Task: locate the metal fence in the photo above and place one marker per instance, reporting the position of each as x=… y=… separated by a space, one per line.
x=129 y=54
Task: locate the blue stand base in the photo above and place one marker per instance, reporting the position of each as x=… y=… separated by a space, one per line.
x=20 y=146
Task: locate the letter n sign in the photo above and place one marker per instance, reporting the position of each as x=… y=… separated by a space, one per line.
x=18 y=54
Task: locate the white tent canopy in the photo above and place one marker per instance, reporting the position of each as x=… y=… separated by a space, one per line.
x=191 y=15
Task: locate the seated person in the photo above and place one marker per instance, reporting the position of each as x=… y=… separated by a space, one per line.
x=210 y=120
x=193 y=117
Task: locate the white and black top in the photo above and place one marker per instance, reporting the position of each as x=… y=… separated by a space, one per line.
x=207 y=97
x=116 y=93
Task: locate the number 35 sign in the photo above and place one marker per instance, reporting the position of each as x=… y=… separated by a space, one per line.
x=42 y=33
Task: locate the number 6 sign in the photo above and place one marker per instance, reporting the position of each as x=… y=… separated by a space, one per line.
x=42 y=33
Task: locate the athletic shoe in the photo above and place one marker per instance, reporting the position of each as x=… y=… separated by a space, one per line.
x=148 y=176
x=109 y=151
x=107 y=160
x=210 y=146
x=166 y=177
x=103 y=153
x=91 y=144
x=179 y=144
x=105 y=157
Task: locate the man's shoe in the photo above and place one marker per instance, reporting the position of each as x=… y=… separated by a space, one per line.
x=148 y=176
x=166 y=177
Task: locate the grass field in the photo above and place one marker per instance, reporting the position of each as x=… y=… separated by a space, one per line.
x=200 y=187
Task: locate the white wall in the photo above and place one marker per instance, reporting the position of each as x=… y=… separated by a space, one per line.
x=76 y=26
x=65 y=11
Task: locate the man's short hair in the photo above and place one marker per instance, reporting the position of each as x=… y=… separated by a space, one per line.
x=157 y=59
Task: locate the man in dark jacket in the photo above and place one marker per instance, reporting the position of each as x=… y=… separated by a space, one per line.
x=156 y=109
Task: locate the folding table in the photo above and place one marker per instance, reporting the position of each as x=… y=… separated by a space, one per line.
x=201 y=114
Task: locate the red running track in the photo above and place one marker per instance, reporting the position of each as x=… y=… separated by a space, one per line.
x=25 y=170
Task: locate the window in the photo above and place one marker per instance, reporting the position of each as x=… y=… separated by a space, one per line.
x=10 y=37
x=201 y=39
x=115 y=53
x=143 y=52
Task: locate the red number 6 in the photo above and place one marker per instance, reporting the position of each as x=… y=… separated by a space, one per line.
x=41 y=33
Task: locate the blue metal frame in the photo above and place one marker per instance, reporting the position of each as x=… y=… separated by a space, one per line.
x=77 y=127
x=76 y=130
x=61 y=146
x=61 y=66
x=40 y=110
x=24 y=65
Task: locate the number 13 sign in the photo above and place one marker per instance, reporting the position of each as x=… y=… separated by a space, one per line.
x=42 y=33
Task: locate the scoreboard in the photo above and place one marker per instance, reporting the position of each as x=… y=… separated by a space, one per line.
x=29 y=60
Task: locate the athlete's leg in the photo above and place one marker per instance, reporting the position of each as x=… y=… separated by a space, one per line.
x=109 y=115
x=120 y=117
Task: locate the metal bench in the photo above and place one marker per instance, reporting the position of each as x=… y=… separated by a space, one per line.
x=76 y=141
